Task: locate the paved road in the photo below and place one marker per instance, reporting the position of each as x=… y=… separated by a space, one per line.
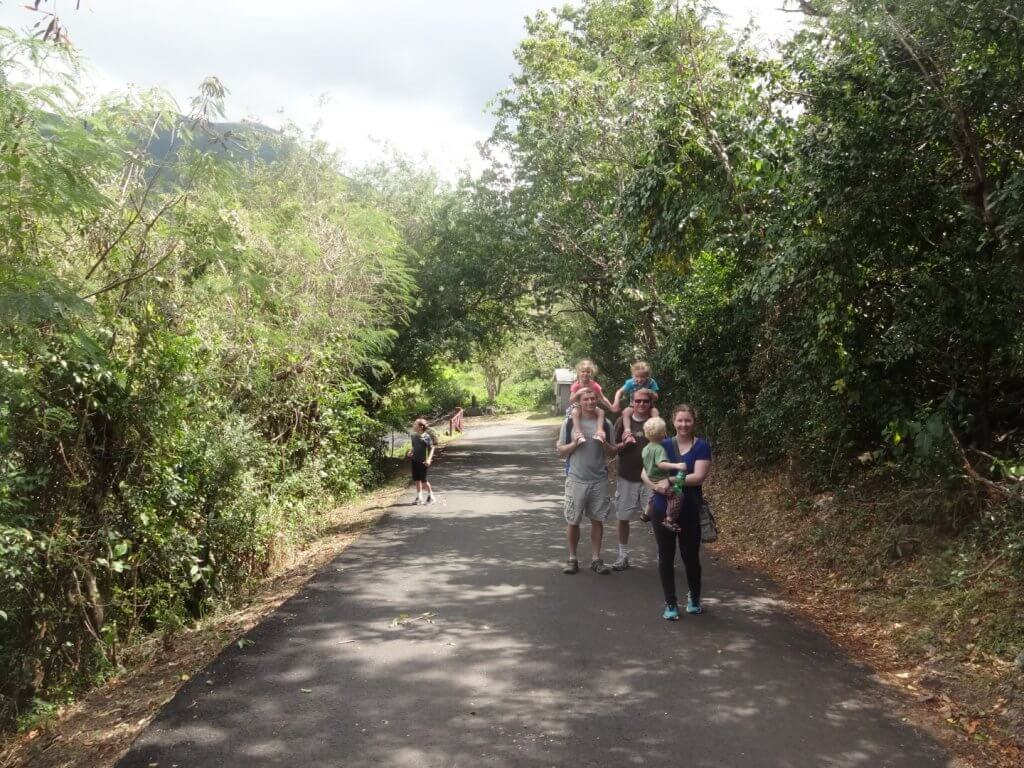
x=517 y=664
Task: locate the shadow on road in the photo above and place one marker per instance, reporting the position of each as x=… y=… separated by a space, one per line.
x=448 y=637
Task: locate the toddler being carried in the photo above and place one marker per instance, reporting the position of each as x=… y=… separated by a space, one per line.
x=658 y=468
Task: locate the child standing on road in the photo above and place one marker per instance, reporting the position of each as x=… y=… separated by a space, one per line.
x=658 y=467
x=586 y=370
x=641 y=379
x=421 y=451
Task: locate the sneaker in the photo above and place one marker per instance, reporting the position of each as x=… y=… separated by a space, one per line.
x=430 y=499
x=693 y=606
x=419 y=500
x=671 y=612
x=572 y=566
x=621 y=564
x=598 y=566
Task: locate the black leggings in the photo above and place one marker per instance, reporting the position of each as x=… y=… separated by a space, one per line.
x=689 y=548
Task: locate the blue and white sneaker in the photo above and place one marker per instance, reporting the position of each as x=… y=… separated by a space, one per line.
x=671 y=612
x=693 y=606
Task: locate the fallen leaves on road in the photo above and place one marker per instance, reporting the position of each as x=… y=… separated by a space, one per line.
x=403 y=619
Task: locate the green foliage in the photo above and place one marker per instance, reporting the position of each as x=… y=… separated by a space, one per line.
x=812 y=248
x=184 y=344
x=822 y=249
x=457 y=239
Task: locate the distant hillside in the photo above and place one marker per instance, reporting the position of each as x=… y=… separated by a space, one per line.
x=241 y=140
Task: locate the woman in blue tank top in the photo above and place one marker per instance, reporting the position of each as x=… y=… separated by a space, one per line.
x=695 y=453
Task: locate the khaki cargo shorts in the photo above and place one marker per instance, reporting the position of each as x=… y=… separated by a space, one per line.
x=590 y=499
x=631 y=499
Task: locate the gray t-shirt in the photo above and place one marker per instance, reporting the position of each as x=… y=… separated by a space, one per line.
x=587 y=464
x=420 y=443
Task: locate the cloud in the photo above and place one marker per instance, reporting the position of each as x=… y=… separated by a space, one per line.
x=415 y=73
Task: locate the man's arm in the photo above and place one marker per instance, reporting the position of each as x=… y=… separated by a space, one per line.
x=619 y=431
x=618 y=399
x=564 y=449
x=610 y=448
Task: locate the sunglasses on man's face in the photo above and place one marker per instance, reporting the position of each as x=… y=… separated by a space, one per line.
x=641 y=400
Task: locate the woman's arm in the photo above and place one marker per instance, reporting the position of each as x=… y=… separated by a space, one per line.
x=701 y=470
x=661 y=486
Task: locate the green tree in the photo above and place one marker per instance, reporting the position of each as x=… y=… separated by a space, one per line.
x=188 y=319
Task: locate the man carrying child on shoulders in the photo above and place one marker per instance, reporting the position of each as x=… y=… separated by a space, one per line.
x=631 y=495
x=586 y=481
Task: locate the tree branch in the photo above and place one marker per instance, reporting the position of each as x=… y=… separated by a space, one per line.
x=972 y=473
x=131 y=222
x=131 y=278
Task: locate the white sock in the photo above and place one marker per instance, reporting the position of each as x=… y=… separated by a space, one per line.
x=419 y=496
x=623 y=550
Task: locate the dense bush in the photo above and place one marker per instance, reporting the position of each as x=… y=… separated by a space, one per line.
x=183 y=342
x=821 y=249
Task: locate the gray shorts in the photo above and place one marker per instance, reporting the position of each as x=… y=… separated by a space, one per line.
x=631 y=499
x=590 y=499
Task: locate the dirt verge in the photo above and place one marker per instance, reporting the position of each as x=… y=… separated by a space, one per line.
x=882 y=592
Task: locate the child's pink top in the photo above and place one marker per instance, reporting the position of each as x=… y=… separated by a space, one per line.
x=578 y=385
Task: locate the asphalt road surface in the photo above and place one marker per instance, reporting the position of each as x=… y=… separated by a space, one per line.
x=448 y=637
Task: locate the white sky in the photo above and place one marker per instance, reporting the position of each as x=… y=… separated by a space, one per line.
x=414 y=73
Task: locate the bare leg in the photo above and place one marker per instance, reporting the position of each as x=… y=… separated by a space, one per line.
x=577 y=428
x=599 y=434
x=596 y=534
x=573 y=534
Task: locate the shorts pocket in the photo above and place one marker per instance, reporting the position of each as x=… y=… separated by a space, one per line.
x=572 y=505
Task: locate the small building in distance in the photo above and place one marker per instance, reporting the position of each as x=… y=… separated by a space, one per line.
x=564 y=378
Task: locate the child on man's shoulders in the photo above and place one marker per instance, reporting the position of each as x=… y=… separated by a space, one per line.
x=641 y=379
x=586 y=371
